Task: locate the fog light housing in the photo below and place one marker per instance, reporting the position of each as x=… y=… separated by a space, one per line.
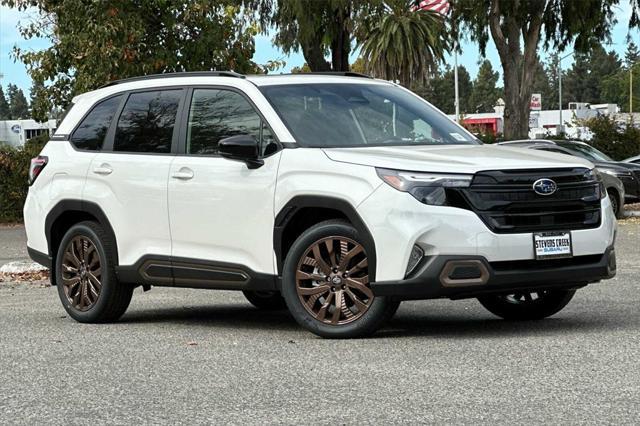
x=414 y=258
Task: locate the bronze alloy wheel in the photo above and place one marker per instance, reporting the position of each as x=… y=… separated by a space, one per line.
x=332 y=280
x=81 y=273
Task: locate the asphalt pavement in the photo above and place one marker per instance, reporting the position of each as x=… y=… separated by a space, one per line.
x=196 y=356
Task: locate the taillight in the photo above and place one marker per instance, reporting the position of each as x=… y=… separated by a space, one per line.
x=37 y=164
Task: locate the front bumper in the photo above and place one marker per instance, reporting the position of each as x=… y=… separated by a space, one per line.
x=459 y=277
x=397 y=222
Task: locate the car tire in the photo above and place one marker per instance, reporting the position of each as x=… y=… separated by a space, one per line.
x=616 y=205
x=85 y=275
x=265 y=300
x=326 y=267
x=527 y=305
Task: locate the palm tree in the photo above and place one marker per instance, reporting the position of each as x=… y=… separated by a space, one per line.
x=398 y=43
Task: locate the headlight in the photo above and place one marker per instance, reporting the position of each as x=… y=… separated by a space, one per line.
x=598 y=177
x=428 y=188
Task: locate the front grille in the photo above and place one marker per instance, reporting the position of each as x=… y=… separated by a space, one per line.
x=507 y=203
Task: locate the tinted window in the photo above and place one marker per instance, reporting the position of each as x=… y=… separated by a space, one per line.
x=147 y=121
x=340 y=115
x=217 y=114
x=92 y=130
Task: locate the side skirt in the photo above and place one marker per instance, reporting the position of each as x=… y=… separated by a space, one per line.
x=165 y=271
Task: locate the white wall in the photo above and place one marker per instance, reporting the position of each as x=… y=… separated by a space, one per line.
x=14 y=132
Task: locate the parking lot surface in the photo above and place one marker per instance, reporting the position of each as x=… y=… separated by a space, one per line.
x=197 y=356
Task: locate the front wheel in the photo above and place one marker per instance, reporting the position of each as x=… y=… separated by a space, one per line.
x=618 y=210
x=326 y=283
x=527 y=305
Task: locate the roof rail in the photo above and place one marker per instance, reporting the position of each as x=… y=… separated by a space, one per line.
x=343 y=73
x=176 y=74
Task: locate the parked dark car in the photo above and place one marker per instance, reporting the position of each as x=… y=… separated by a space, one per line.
x=622 y=180
x=634 y=160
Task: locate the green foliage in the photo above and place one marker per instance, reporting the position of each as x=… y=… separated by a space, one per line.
x=316 y=28
x=14 y=172
x=4 y=106
x=518 y=27
x=95 y=42
x=584 y=81
x=485 y=93
x=18 y=105
x=440 y=90
x=401 y=44
x=619 y=141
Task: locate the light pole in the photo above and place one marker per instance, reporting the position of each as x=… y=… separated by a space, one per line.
x=631 y=87
x=561 y=126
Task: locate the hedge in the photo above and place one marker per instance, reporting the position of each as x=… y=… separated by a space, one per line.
x=14 y=172
x=618 y=141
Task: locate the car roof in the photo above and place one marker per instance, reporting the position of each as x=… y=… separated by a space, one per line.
x=226 y=78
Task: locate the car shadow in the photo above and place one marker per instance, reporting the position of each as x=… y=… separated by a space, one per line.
x=404 y=324
x=222 y=316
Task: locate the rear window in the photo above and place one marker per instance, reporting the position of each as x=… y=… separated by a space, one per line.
x=93 y=128
x=147 y=122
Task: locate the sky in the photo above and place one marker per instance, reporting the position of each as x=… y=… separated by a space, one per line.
x=16 y=73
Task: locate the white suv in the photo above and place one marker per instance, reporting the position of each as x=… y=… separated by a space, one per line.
x=336 y=196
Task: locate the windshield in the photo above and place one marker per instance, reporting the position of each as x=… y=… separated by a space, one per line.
x=351 y=115
x=585 y=151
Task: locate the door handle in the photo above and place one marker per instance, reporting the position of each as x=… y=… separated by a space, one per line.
x=184 y=173
x=104 y=170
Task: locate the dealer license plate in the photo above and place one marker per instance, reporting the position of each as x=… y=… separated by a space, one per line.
x=552 y=245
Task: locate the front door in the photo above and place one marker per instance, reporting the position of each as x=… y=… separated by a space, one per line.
x=220 y=211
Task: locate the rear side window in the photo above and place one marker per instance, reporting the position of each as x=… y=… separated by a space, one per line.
x=217 y=114
x=91 y=132
x=147 y=122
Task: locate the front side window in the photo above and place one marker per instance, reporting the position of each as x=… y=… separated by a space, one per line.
x=91 y=132
x=351 y=115
x=216 y=114
x=147 y=122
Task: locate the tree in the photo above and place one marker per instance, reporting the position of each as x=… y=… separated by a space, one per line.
x=315 y=28
x=93 y=43
x=18 y=105
x=440 y=90
x=517 y=27
x=632 y=55
x=402 y=44
x=584 y=81
x=40 y=108
x=4 y=106
x=484 y=93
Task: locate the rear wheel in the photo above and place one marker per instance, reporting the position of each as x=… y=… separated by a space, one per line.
x=326 y=283
x=265 y=300
x=85 y=275
x=527 y=305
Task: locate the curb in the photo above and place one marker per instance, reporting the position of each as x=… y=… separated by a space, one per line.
x=21 y=267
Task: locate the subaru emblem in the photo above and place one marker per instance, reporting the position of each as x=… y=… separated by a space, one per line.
x=545 y=186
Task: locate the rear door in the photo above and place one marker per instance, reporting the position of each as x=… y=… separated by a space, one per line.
x=220 y=211
x=128 y=178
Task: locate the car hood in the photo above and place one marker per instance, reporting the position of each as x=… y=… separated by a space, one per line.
x=618 y=165
x=454 y=158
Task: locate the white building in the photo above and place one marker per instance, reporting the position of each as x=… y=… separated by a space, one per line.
x=543 y=123
x=17 y=132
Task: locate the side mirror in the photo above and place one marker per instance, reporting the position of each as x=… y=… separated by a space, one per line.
x=241 y=148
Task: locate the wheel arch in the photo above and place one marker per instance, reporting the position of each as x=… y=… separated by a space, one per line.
x=304 y=211
x=67 y=213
